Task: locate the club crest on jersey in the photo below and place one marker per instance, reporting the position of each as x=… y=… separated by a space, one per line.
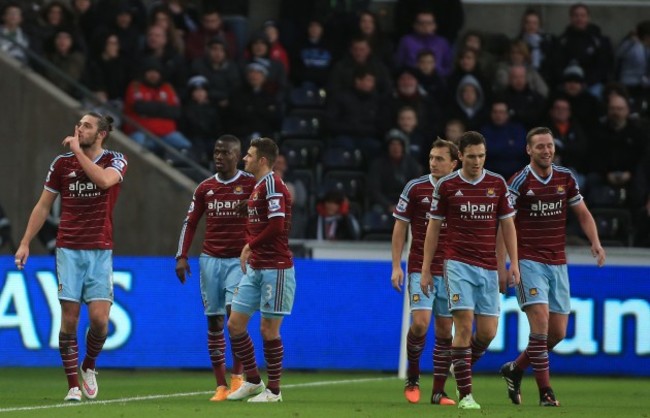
x=490 y=192
x=416 y=298
x=238 y=190
x=560 y=189
x=401 y=205
x=533 y=291
x=455 y=298
x=254 y=196
x=274 y=205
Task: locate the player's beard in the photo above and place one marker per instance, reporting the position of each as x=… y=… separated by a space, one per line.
x=541 y=162
x=87 y=145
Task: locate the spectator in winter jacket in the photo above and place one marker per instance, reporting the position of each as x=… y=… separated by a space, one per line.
x=201 y=120
x=424 y=37
x=221 y=72
x=254 y=111
x=313 y=59
x=583 y=44
x=153 y=104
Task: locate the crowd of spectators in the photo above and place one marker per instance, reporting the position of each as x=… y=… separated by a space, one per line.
x=373 y=100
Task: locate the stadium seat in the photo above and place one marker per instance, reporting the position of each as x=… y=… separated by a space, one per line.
x=605 y=196
x=302 y=153
x=352 y=183
x=377 y=226
x=307 y=178
x=342 y=159
x=614 y=226
x=307 y=97
x=300 y=126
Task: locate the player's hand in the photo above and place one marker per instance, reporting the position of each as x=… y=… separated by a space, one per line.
x=503 y=281
x=182 y=266
x=426 y=282
x=73 y=141
x=514 y=277
x=243 y=258
x=21 y=256
x=397 y=279
x=599 y=253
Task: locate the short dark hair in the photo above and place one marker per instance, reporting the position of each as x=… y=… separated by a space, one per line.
x=229 y=139
x=443 y=143
x=577 y=6
x=643 y=29
x=104 y=123
x=424 y=53
x=540 y=130
x=267 y=148
x=531 y=12
x=500 y=100
x=470 y=138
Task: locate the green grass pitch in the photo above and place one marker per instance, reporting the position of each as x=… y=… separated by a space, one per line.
x=144 y=393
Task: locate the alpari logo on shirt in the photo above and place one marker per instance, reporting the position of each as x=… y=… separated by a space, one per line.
x=223 y=205
x=540 y=208
x=478 y=211
x=84 y=188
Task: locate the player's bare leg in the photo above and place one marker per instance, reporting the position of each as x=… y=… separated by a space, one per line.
x=557 y=325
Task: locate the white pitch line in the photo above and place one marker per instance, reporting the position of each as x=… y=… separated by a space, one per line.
x=180 y=395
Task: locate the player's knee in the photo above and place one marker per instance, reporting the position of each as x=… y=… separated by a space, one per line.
x=419 y=326
x=215 y=322
x=443 y=329
x=99 y=324
x=464 y=333
x=235 y=328
x=269 y=332
x=485 y=336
